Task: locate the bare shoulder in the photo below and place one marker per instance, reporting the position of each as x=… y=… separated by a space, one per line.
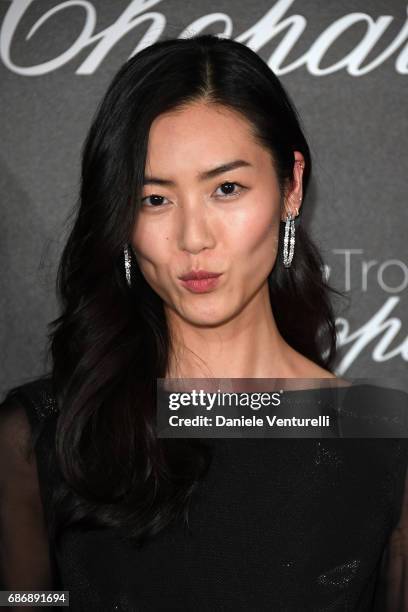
x=308 y=369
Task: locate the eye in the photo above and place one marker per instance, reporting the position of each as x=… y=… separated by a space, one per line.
x=231 y=192
x=156 y=200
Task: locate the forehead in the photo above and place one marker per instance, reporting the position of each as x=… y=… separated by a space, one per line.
x=199 y=136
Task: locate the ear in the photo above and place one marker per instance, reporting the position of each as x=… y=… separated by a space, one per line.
x=293 y=197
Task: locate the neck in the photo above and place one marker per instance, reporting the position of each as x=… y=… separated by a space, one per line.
x=246 y=346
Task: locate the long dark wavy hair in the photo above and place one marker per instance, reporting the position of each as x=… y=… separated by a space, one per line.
x=111 y=341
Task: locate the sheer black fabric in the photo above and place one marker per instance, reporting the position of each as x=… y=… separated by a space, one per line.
x=25 y=552
x=278 y=524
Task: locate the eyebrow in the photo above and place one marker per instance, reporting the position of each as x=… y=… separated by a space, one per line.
x=202 y=176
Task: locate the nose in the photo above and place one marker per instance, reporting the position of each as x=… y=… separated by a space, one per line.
x=195 y=229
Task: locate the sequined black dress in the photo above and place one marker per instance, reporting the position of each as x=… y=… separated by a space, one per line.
x=285 y=525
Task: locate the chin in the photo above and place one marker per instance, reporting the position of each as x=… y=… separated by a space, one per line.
x=212 y=318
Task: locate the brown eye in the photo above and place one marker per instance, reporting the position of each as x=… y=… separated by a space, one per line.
x=228 y=189
x=155 y=200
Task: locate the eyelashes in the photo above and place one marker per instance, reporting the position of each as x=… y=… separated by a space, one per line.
x=235 y=193
x=158 y=199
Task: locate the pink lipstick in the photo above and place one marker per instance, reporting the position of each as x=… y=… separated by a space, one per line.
x=200 y=281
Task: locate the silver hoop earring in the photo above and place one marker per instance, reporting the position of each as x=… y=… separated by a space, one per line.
x=127 y=264
x=289 y=227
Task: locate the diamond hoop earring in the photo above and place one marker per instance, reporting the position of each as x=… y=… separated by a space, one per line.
x=289 y=240
x=127 y=264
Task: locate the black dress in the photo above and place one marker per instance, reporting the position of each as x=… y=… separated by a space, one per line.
x=276 y=525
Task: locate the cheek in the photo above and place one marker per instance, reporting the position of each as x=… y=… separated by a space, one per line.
x=150 y=252
x=147 y=246
x=256 y=237
x=152 y=257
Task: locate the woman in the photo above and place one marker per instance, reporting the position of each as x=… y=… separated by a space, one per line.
x=177 y=266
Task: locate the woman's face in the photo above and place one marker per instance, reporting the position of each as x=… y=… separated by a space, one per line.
x=198 y=215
